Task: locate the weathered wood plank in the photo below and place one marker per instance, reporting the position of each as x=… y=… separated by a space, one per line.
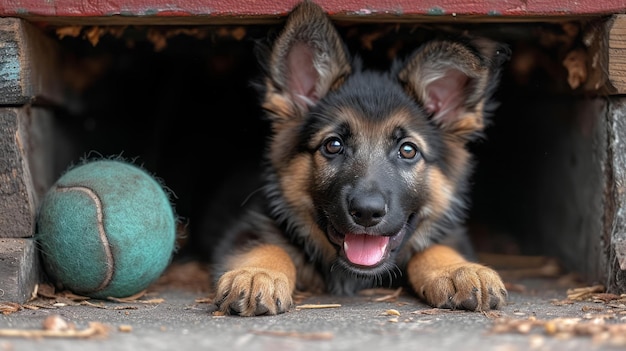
x=617 y=53
x=236 y=11
x=616 y=196
x=19 y=269
x=25 y=167
x=29 y=64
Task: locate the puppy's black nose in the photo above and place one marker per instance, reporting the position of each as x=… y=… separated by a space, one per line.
x=367 y=209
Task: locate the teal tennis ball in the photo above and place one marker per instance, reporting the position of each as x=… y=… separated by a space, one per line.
x=106 y=228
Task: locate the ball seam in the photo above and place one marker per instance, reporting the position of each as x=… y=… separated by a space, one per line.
x=110 y=263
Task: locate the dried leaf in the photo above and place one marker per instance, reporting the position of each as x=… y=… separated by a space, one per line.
x=605 y=297
x=46 y=290
x=93 y=34
x=9 y=307
x=204 y=300
x=132 y=298
x=56 y=323
x=125 y=328
x=66 y=294
x=68 y=31
x=429 y=311
x=390 y=297
x=90 y=304
x=492 y=314
x=562 y=302
x=119 y=308
x=316 y=306
x=377 y=291
x=391 y=312
x=576 y=64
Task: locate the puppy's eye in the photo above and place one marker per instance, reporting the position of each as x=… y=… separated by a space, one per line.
x=408 y=151
x=332 y=146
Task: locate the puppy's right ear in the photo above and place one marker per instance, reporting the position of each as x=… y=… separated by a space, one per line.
x=308 y=59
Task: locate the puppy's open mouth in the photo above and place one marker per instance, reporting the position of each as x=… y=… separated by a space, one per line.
x=368 y=250
x=364 y=249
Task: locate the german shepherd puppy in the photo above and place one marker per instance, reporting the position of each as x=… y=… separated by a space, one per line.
x=367 y=174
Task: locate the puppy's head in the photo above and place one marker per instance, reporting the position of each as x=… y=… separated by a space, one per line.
x=362 y=162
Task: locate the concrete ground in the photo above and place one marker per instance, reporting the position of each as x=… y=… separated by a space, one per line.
x=176 y=315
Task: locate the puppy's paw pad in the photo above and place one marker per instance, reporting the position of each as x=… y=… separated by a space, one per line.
x=467 y=286
x=253 y=292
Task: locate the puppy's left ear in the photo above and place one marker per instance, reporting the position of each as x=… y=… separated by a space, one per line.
x=454 y=81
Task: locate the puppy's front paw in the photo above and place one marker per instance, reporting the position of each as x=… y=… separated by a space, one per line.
x=253 y=292
x=468 y=286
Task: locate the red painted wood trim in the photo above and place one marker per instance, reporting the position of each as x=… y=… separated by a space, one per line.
x=265 y=8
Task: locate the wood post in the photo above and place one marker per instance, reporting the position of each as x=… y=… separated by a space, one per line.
x=29 y=77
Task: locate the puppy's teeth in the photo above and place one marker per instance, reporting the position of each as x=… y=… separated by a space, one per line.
x=345 y=246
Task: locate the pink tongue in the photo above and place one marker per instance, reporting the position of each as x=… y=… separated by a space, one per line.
x=366 y=250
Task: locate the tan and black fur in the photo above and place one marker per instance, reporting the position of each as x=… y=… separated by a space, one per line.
x=367 y=174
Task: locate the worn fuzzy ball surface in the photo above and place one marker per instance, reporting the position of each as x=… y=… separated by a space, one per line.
x=106 y=229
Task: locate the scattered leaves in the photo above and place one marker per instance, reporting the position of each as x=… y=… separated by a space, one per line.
x=522 y=326
x=597 y=328
x=47 y=291
x=584 y=293
x=55 y=326
x=45 y=296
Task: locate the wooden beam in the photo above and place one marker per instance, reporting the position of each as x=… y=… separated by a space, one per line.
x=615 y=204
x=26 y=167
x=19 y=269
x=617 y=53
x=235 y=11
x=29 y=64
